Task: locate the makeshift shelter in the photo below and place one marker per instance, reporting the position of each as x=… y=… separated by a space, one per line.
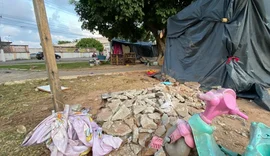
x=142 y=49
x=224 y=43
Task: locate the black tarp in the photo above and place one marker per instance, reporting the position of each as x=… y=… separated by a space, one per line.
x=199 y=44
x=142 y=49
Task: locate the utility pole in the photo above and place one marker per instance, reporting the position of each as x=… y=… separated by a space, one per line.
x=48 y=51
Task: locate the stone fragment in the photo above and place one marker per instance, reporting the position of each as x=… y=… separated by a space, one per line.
x=160 y=102
x=138 y=119
x=149 y=110
x=118 y=128
x=160 y=152
x=135 y=148
x=172 y=112
x=116 y=101
x=149 y=102
x=135 y=134
x=130 y=96
x=160 y=94
x=137 y=109
x=113 y=106
x=123 y=151
x=107 y=125
x=128 y=103
x=180 y=98
x=142 y=130
x=181 y=109
x=165 y=119
x=143 y=137
x=154 y=116
x=144 y=91
x=149 y=152
x=193 y=85
x=121 y=97
x=129 y=122
x=160 y=130
x=21 y=129
x=148 y=123
x=104 y=115
x=173 y=120
x=122 y=113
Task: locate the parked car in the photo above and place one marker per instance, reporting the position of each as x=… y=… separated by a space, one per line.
x=40 y=56
x=33 y=55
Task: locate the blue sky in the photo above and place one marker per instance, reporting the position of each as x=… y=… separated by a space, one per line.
x=18 y=23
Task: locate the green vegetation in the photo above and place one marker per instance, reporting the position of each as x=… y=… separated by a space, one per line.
x=128 y=19
x=36 y=66
x=63 y=42
x=90 y=43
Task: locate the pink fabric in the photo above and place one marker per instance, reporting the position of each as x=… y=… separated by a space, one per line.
x=117 y=49
x=222 y=101
x=70 y=134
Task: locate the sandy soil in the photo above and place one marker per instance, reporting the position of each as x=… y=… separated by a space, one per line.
x=21 y=105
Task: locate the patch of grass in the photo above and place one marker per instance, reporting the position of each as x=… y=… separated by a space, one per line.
x=36 y=66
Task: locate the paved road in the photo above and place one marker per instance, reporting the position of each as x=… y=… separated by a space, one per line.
x=14 y=75
x=42 y=61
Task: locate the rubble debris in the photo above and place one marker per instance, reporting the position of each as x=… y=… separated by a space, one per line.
x=138 y=115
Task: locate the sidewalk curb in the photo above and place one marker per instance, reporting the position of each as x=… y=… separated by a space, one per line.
x=72 y=77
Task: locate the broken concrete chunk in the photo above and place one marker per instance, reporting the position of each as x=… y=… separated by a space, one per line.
x=122 y=113
x=129 y=122
x=150 y=96
x=130 y=96
x=154 y=116
x=165 y=119
x=104 y=115
x=181 y=109
x=149 y=102
x=148 y=123
x=172 y=112
x=180 y=98
x=118 y=128
x=135 y=134
x=141 y=130
x=160 y=102
x=143 y=137
x=135 y=148
x=107 y=125
x=149 y=110
x=137 y=109
x=128 y=103
x=160 y=130
x=121 y=97
x=173 y=120
x=113 y=106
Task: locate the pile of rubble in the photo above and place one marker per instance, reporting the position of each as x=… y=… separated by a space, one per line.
x=138 y=115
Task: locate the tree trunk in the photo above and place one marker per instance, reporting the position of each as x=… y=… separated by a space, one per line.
x=161 y=49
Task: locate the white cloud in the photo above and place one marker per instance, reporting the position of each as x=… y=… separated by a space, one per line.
x=19 y=24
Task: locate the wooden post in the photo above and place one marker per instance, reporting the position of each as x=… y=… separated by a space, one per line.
x=48 y=51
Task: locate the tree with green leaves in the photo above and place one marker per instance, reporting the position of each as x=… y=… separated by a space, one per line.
x=90 y=43
x=63 y=42
x=130 y=19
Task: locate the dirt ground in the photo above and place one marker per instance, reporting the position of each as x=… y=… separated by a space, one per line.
x=20 y=104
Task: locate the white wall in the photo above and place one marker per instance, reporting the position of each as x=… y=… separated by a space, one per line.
x=17 y=56
x=35 y=50
x=25 y=56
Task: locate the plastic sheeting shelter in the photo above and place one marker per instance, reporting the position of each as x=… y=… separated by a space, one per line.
x=142 y=49
x=222 y=42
